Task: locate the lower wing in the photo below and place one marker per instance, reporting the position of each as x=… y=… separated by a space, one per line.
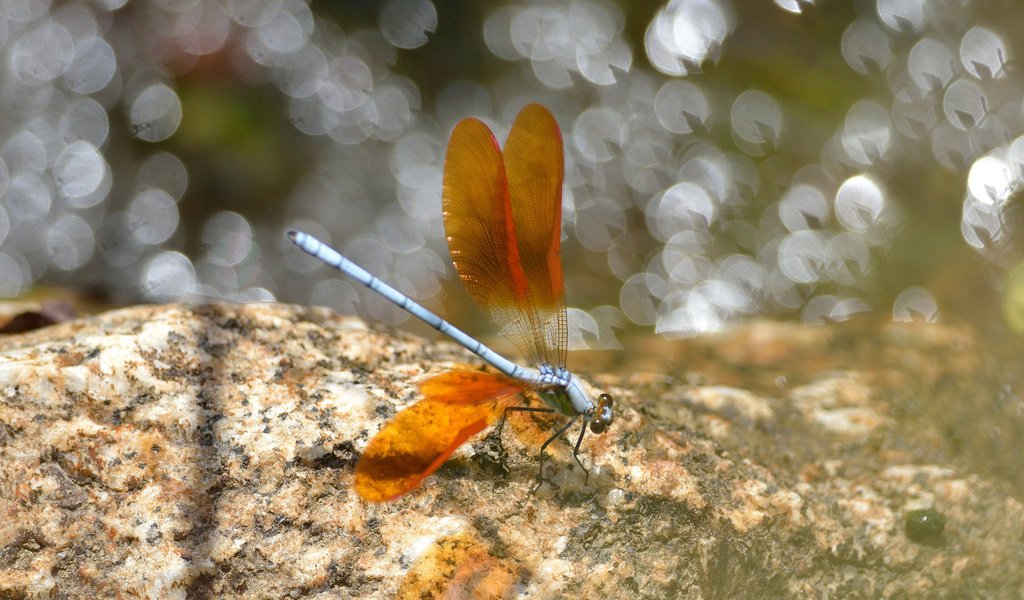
x=456 y=405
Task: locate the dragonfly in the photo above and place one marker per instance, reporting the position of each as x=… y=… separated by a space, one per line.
x=502 y=210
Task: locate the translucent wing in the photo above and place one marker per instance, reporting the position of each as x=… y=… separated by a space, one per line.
x=502 y=218
x=456 y=405
x=535 y=167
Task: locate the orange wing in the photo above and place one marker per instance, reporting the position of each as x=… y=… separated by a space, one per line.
x=455 y=406
x=502 y=217
x=535 y=166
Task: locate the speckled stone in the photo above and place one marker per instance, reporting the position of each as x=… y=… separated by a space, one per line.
x=207 y=451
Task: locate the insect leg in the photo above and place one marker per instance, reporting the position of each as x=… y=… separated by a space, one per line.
x=544 y=446
x=504 y=417
x=576 y=453
x=533 y=409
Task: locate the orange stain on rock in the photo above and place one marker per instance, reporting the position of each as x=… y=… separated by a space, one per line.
x=460 y=566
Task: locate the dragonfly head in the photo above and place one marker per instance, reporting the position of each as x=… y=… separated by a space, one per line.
x=603 y=416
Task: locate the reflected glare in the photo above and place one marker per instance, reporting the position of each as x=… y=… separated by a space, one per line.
x=406 y=23
x=155 y=113
x=697 y=192
x=915 y=304
x=756 y=120
x=902 y=16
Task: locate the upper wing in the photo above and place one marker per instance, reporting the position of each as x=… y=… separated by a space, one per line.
x=535 y=166
x=502 y=218
x=455 y=406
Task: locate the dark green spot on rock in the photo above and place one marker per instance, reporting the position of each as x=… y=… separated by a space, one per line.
x=925 y=526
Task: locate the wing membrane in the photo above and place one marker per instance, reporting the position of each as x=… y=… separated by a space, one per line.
x=502 y=218
x=456 y=405
x=535 y=167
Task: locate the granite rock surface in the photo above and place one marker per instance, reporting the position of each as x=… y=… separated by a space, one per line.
x=207 y=451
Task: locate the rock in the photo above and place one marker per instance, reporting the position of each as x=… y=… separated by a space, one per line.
x=208 y=451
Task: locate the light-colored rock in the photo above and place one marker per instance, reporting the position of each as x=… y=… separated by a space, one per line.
x=208 y=451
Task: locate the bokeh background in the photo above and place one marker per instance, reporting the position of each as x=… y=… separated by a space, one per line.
x=808 y=161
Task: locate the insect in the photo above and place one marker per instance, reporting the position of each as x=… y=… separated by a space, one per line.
x=502 y=216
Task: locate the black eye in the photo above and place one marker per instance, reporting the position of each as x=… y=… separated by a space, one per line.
x=602 y=414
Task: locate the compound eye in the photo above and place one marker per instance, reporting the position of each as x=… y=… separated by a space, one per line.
x=603 y=414
x=604 y=409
